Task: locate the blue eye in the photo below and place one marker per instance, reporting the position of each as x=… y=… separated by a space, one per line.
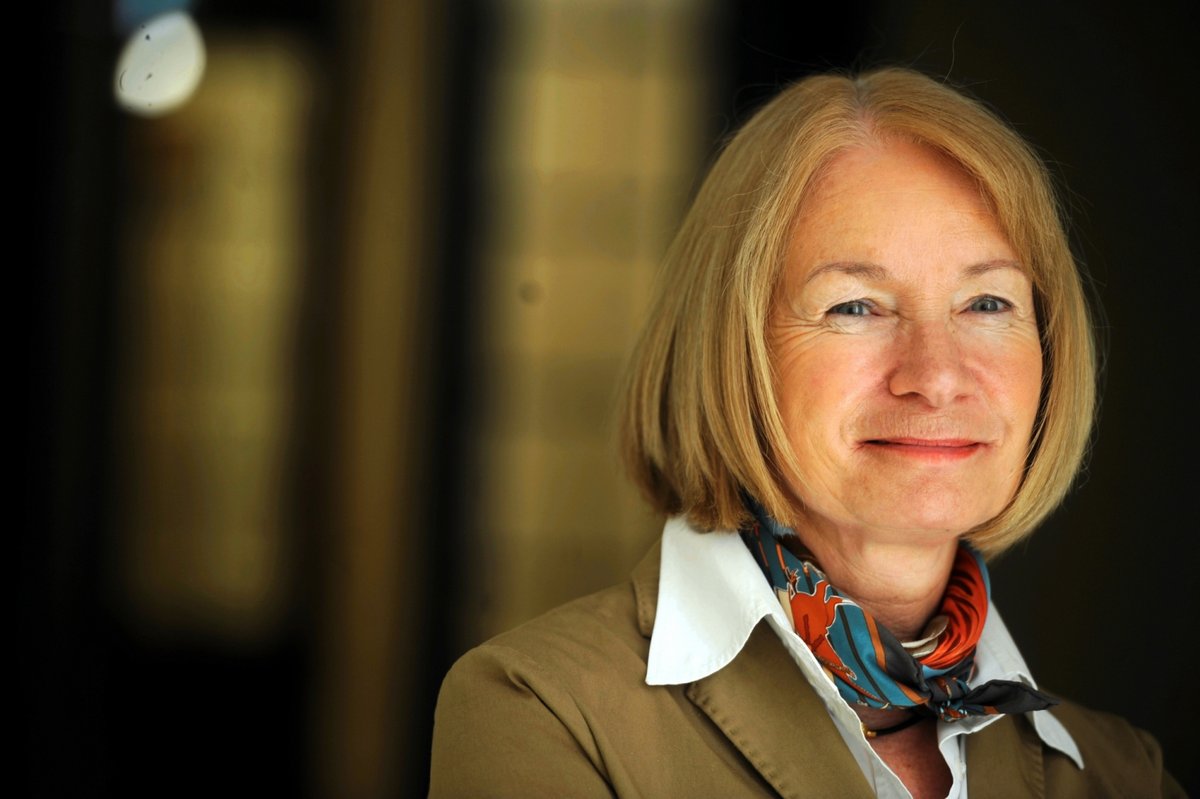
x=852 y=308
x=989 y=305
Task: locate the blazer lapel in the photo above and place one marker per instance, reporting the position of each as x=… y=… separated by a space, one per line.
x=1005 y=760
x=767 y=709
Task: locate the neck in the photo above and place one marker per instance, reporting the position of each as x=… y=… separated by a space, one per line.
x=899 y=582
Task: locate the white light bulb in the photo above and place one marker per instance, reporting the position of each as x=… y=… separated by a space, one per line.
x=160 y=66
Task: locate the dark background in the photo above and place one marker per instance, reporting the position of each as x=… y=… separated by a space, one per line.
x=1101 y=600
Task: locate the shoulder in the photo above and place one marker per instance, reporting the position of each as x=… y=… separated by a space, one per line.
x=1098 y=731
x=590 y=638
x=538 y=707
x=1119 y=759
x=597 y=642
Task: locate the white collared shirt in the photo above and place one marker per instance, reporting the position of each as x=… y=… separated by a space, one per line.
x=711 y=596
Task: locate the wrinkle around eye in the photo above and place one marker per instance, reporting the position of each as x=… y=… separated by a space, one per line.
x=792 y=333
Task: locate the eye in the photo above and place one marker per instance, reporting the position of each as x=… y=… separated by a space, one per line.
x=987 y=304
x=852 y=308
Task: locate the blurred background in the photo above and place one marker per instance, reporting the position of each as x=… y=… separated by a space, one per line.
x=322 y=362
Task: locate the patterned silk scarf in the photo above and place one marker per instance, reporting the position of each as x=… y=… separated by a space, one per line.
x=868 y=664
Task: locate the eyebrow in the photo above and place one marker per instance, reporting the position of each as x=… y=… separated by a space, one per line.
x=877 y=273
x=989 y=266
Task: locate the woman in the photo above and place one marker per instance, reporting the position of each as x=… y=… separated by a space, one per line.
x=868 y=368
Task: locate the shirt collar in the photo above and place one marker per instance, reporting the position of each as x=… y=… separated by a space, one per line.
x=712 y=594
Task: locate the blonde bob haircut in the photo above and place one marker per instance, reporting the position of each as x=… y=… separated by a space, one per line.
x=700 y=425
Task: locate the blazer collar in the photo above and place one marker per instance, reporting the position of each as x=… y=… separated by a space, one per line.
x=1006 y=759
x=765 y=707
x=645 y=588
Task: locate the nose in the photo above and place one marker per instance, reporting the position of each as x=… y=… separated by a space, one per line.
x=930 y=364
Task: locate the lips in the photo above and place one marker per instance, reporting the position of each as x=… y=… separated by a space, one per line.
x=934 y=449
x=944 y=443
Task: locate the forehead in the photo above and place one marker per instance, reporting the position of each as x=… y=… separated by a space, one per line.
x=898 y=204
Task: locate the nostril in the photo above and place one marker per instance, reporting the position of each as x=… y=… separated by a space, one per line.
x=929 y=364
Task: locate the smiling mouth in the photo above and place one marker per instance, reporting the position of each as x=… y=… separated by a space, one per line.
x=926 y=448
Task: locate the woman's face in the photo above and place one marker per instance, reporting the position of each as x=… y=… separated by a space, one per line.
x=905 y=350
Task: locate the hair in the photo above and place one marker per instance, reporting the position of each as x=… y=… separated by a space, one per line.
x=701 y=427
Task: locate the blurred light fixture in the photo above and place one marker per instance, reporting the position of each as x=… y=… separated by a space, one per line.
x=161 y=65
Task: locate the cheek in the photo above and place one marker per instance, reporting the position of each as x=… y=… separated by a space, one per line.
x=821 y=388
x=1016 y=382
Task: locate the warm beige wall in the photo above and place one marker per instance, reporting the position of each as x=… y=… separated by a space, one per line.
x=211 y=253
x=596 y=139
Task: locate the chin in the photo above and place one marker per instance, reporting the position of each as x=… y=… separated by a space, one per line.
x=937 y=530
x=951 y=506
x=928 y=519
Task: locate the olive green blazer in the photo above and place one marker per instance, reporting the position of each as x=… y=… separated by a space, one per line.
x=559 y=707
